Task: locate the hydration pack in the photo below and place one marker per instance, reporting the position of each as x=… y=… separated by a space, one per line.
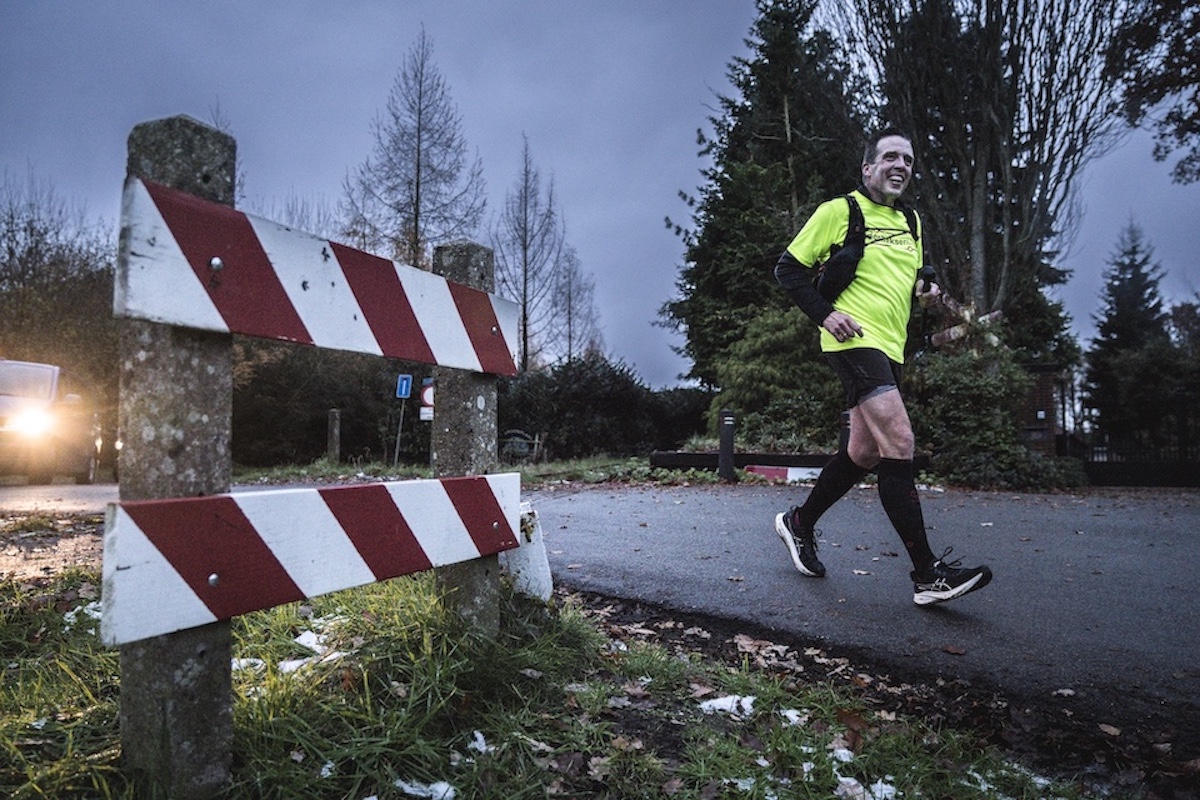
x=839 y=269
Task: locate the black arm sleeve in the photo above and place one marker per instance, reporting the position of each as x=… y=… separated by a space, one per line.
x=796 y=280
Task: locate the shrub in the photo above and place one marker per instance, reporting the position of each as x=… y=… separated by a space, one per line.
x=777 y=384
x=582 y=407
x=965 y=412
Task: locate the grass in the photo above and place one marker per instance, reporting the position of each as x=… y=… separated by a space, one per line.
x=559 y=704
x=585 y=470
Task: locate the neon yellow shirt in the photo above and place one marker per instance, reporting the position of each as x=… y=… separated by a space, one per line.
x=880 y=297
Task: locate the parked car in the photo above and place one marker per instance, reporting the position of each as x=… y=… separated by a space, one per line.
x=47 y=425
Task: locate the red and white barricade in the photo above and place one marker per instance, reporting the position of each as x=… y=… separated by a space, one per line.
x=180 y=563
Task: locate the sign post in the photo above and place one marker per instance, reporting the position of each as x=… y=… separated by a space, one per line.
x=403 y=390
x=427 y=400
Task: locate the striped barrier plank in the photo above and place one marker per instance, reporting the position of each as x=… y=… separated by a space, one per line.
x=197 y=264
x=788 y=474
x=181 y=563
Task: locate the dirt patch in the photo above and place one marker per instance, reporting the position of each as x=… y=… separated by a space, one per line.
x=37 y=545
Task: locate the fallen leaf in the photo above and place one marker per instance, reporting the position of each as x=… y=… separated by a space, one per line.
x=954 y=650
x=599 y=767
x=746 y=644
x=569 y=763
x=634 y=689
x=852 y=720
x=1110 y=730
x=672 y=787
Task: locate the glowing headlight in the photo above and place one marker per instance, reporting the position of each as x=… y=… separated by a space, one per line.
x=32 y=422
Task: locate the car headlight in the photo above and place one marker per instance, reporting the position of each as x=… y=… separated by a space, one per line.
x=32 y=422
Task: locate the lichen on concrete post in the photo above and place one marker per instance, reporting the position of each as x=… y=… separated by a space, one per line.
x=463 y=441
x=176 y=408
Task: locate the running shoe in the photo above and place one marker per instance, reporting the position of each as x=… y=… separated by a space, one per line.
x=801 y=544
x=946 y=580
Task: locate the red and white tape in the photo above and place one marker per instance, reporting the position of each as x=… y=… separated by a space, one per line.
x=176 y=564
x=197 y=264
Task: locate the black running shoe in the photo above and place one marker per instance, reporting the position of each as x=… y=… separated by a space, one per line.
x=801 y=544
x=946 y=580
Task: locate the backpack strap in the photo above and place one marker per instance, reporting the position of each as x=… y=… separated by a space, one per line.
x=856 y=226
x=910 y=214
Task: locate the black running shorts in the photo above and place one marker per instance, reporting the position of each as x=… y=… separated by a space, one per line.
x=864 y=372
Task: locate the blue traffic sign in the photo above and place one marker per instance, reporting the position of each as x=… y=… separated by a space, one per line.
x=403 y=387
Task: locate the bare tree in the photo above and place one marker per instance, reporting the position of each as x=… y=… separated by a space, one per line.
x=311 y=214
x=528 y=240
x=578 y=328
x=1009 y=100
x=419 y=189
x=56 y=284
x=1156 y=61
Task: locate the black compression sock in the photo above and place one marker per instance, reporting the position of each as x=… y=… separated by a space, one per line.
x=839 y=476
x=898 y=494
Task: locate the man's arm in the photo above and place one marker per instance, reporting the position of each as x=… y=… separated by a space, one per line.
x=796 y=280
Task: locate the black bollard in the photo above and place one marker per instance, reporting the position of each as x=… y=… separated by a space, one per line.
x=725 y=469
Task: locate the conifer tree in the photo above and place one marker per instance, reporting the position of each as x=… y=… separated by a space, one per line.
x=789 y=138
x=1130 y=374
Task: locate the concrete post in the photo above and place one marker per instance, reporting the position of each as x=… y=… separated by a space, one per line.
x=463 y=440
x=176 y=713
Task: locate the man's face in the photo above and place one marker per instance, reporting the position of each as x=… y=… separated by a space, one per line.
x=886 y=178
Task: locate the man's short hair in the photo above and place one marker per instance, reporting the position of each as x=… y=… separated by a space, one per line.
x=872 y=149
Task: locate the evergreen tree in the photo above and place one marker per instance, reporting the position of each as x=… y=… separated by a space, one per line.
x=1129 y=367
x=1185 y=331
x=782 y=403
x=791 y=138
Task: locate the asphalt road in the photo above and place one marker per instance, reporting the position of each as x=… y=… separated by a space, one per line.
x=1094 y=606
x=56 y=498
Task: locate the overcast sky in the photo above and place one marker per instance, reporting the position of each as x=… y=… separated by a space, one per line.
x=610 y=95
